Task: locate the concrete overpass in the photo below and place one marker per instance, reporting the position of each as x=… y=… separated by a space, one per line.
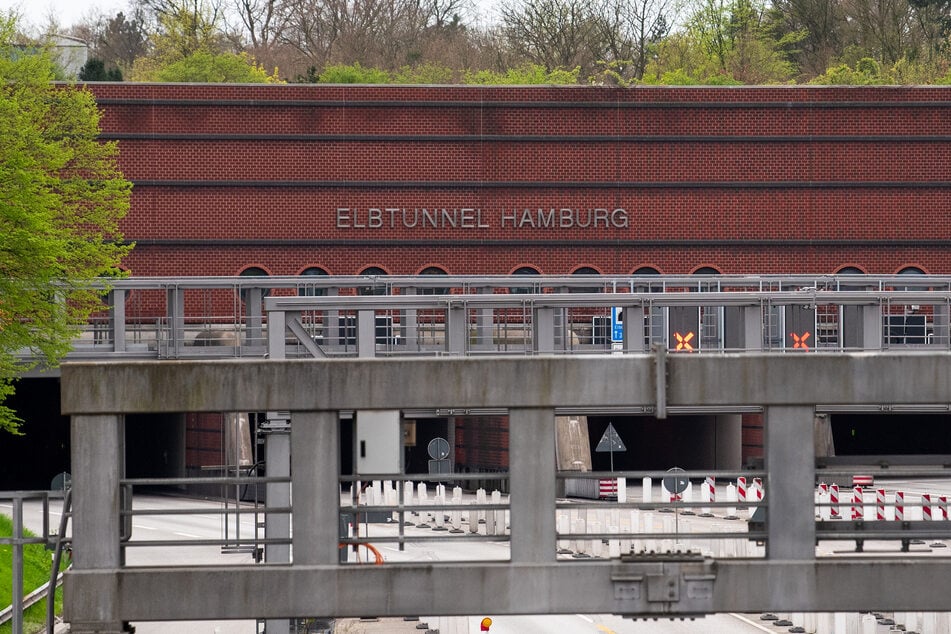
x=102 y=593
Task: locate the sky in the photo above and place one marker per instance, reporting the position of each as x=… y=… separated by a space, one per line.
x=67 y=12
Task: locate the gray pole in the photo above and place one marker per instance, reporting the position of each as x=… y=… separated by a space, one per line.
x=16 y=594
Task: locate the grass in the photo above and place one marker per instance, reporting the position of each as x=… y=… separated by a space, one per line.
x=36 y=571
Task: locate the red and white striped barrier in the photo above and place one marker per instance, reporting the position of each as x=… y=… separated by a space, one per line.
x=858 y=504
x=899 y=505
x=822 y=499
x=926 y=506
x=880 y=505
x=607 y=488
x=741 y=489
x=708 y=493
x=942 y=508
x=834 y=502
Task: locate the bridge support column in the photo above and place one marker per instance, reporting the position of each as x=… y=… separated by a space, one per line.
x=315 y=477
x=278 y=525
x=791 y=468
x=532 y=473
x=98 y=464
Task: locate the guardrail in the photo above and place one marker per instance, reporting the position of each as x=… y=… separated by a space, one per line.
x=347 y=316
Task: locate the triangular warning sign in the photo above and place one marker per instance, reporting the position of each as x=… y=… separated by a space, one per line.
x=610 y=441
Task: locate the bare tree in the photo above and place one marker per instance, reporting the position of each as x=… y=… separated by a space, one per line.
x=553 y=33
x=884 y=28
x=628 y=28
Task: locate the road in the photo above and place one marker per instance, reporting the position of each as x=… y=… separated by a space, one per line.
x=207 y=523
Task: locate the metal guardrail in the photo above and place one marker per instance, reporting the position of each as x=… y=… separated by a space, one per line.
x=220 y=317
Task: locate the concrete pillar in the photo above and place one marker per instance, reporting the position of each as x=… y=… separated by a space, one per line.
x=117 y=319
x=456 y=329
x=409 y=323
x=277 y=526
x=790 y=465
x=366 y=334
x=175 y=309
x=254 y=317
x=97 y=454
x=634 y=339
x=532 y=482
x=315 y=476
x=544 y=329
x=728 y=441
x=276 y=341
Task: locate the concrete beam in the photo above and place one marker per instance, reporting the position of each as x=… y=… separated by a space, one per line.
x=545 y=382
x=244 y=592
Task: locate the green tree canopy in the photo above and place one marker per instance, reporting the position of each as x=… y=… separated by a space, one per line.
x=61 y=198
x=217 y=68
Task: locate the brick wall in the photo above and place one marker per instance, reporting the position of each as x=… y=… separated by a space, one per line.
x=744 y=180
x=741 y=179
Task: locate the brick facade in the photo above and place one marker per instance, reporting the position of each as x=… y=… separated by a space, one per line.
x=485 y=180
x=743 y=180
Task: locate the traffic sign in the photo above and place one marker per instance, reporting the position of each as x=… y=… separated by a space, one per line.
x=610 y=441
x=675 y=483
x=438 y=448
x=617 y=324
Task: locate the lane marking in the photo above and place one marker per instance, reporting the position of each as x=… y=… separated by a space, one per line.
x=604 y=629
x=187 y=535
x=585 y=618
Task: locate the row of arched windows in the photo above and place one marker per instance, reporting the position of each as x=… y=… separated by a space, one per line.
x=375 y=271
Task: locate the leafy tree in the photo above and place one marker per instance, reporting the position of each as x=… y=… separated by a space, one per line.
x=215 y=68
x=353 y=74
x=121 y=40
x=61 y=198
x=530 y=74
x=867 y=72
x=95 y=70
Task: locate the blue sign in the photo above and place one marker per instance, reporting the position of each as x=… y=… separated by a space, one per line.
x=617 y=324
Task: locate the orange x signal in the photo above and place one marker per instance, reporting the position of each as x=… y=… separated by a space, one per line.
x=683 y=341
x=800 y=342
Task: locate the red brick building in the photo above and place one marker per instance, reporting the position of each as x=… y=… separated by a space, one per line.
x=485 y=180
x=401 y=180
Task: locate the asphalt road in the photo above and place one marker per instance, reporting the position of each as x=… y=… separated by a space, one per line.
x=207 y=523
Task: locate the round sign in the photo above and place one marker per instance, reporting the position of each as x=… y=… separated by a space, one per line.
x=438 y=448
x=61 y=482
x=675 y=483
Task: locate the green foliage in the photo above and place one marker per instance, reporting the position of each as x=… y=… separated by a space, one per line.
x=529 y=74
x=353 y=74
x=215 y=68
x=95 y=70
x=37 y=562
x=867 y=72
x=424 y=74
x=61 y=199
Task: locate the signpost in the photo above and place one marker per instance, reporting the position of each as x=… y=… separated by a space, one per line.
x=610 y=442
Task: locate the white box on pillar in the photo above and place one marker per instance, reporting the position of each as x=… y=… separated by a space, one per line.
x=378 y=443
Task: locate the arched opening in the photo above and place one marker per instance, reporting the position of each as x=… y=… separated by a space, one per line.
x=312 y=290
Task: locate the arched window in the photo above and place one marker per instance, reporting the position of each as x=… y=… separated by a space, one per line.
x=434 y=290
x=309 y=290
x=524 y=270
x=911 y=271
x=253 y=271
x=585 y=270
x=647 y=271
x=378 y=284
x=850 y=270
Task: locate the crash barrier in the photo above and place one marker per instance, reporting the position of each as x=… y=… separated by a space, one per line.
x=417 y=512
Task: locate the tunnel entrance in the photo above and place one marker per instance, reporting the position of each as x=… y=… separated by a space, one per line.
x=857 y=434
